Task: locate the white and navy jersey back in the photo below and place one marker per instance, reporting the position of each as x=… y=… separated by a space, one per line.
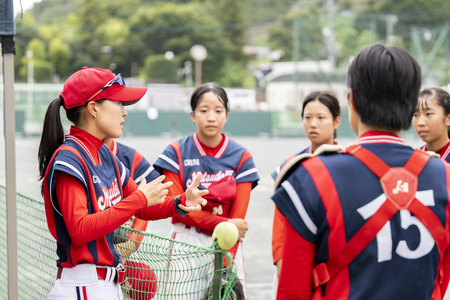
x=187 y=158
x=104 y=183
x=402 y=261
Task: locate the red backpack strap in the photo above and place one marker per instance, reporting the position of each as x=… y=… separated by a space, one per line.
x=401 y=195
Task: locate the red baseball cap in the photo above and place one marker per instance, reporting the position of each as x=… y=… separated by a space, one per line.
x=92 y=84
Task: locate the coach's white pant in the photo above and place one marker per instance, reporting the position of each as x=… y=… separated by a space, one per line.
x=191 y=236
x=81 y=282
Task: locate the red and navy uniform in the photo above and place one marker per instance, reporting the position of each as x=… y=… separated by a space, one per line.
x=278 y=169
x=138 y=166
x=443 y=152
x=324 y=210
x=187 y=157
x=135 y=162
x=278 y=219
x=88 y=194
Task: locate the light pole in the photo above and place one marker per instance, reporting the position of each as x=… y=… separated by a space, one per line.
x=30 y=83
x=198 y=53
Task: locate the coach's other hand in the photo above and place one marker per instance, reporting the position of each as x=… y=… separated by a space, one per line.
x=155 y=190
x=194 y=200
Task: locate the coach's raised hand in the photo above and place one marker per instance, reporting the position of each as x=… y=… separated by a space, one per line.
x=155 y=190
x=194 y=200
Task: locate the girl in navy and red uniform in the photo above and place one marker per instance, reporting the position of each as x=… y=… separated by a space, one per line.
x=223 y=163
x=432 y=120
x=321 y=116
x=364 y=223
x=88 y=193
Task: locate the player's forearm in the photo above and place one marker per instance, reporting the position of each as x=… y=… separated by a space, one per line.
x=201 y=219
x=240 y=203
x=160 y=211
x=278 y=235
x=83 y=226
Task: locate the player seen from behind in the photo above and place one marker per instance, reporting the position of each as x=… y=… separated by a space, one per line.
x=350 y=234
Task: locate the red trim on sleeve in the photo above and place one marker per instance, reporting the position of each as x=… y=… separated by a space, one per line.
x=244 y=158
x=176 y=147
x=137 y=158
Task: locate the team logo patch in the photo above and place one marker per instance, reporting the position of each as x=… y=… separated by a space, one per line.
x=400 y=187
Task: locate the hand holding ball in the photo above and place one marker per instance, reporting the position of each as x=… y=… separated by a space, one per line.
x=226 y=234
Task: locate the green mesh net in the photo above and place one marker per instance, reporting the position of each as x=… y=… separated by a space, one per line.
x=160 y=268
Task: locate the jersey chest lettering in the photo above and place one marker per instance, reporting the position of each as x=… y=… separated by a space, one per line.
x=208 y=178
x=109 y=196
x=191 y=162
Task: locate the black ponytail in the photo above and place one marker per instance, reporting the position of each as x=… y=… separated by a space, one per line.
x=52 y=137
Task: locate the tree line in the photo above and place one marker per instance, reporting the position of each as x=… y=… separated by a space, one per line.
x=132 y=37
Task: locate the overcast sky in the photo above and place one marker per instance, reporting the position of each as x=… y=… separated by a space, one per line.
x=26 y=4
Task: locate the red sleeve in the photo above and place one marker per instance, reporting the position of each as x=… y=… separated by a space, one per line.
x=140 y=224
x=158 y=211
x=177 y=187
x=277 y=235
x=295 y=280
x=84 y=227
x=445 y=267
x=239 y=205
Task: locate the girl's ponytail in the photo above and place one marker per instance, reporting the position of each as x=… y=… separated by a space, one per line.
x=52 y=137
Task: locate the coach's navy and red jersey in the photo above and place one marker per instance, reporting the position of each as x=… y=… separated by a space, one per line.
x=325 y=210
x=88 y=194
x=187 y=158
x=138 y=167
x=443 y=152
x=135 y=162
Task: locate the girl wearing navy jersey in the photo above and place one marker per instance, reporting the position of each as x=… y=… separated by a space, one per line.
x=370 y=222
x=88 y=193
x=321 y=119
x=432 y=120
x=227 y=167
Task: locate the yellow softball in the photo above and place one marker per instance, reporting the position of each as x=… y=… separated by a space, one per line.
x=226 y=234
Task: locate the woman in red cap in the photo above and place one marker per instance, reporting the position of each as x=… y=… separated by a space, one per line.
x=88 y=193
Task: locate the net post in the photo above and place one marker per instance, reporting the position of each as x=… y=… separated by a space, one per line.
x=217 y=277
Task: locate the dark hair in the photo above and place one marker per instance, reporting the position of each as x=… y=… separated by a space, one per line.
x=385 y=82
x=53 y=133
x=210 y=87
x=441 y=96
x=326 y=98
